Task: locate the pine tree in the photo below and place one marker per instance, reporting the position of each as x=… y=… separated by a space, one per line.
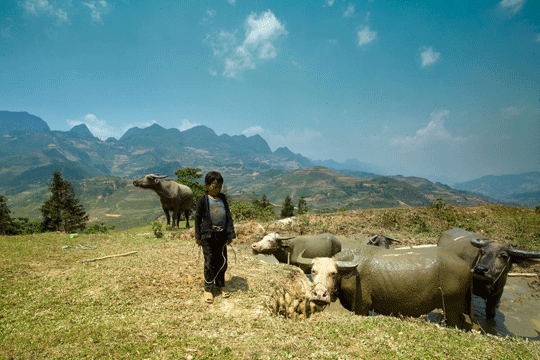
x=288 y=208
x=302 y=206
x=7 y=225
x=187 y=177
x=62 y=211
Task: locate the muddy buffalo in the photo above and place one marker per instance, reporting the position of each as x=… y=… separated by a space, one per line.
x=382 y=241
x=395 y=282
x=488 y=260
x=174 y=197
x=287 y=249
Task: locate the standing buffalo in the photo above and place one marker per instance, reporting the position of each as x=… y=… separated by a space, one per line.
x=394 y=282
x=381 y=241
x=287 y=249
x=488 y=260
x=174 y=197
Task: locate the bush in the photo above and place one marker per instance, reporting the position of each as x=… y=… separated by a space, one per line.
x=157 y=227
x=244 y=211
x=100 y=228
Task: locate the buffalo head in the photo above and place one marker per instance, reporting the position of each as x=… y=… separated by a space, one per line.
x=381 y=241
x=326 y=274
x=495 y=259
x=149 y=181
x=269 y=244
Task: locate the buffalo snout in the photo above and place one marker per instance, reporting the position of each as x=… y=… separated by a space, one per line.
x=320 y=295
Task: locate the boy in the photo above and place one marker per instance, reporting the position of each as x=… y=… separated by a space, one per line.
x=214 y=230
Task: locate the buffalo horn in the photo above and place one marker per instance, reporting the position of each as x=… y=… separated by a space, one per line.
x=394 y=240
x=477 y=243
x=304 y=261
x=524 y=254
x=371 y=239
x=157 y=176
x=348 y=265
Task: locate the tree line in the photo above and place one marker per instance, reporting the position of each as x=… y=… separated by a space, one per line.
x=61 y=212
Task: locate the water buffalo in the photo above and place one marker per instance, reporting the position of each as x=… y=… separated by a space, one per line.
x=286 y=249
x=174 y=197
x=488 y=260
x=381 y=241
x=395 y=282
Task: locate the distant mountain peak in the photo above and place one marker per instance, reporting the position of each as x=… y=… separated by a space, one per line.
x=21 y=121
x=82 y=132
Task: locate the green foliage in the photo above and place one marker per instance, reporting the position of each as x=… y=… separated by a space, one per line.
x=157 y=228
x=62 y=211
x=260 y=210
x=288 y=208
x=100 y=228
x=26 y=227
x=187 y=177
x=7 y=225
x=302 y=206
x=537 y=209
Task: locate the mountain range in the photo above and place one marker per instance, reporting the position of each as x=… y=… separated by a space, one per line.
x=30 y=151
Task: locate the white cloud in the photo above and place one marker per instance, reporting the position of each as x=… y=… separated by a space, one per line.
x=262 y=32
x=510 y=112
x=97 y=8
x=350 y=11
x=514 y=6
x=39 y=7
x=330 y=2
x=232 y=2
x=212 y=72
x=538 y=37
x=186 y=125
x=429 y=57
x=98 y=128
x=5 y=33
x=434 y=132
x=366 y=36
x=210 y=14
x=253 y=130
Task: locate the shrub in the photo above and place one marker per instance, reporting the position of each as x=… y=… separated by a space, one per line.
x=157 y=227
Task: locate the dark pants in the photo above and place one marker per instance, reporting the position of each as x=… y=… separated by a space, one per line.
x=215 y=260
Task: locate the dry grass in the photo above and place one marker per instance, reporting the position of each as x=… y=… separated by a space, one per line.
x=149 y=305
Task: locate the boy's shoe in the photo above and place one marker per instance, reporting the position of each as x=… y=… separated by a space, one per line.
x=208 y=297
x=223 y=291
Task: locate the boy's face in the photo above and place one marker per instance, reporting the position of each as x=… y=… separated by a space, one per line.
x=214 y=189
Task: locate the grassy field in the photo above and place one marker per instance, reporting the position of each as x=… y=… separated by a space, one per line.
x=148 y=305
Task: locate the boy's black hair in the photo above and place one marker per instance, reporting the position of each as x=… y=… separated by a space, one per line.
x=213 y=176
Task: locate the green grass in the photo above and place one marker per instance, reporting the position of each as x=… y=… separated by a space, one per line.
x=148 y=305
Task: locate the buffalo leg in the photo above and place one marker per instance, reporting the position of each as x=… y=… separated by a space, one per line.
x=491 y=307
x=168 y=216
x=187 y=219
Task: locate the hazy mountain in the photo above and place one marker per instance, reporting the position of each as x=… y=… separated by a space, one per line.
x=522 y=189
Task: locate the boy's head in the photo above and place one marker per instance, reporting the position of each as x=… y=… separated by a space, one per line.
x=213 y=183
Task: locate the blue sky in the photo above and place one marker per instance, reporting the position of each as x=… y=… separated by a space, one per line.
x=444 y=90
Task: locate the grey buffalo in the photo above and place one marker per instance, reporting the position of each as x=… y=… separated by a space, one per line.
x=382 y=241
x=174 y=197
x=488 y=260
x=287 y=249
x=394 y=282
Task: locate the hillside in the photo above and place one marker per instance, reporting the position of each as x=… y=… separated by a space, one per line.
x=522 y=189
x=327 y=190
